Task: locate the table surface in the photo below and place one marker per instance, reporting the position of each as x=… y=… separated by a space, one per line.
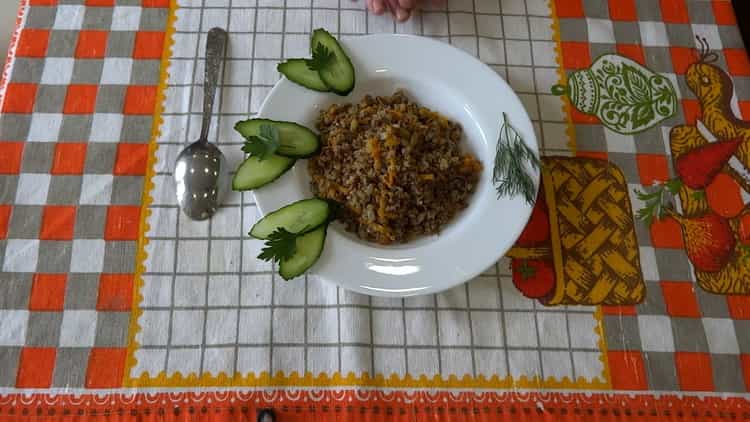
x=105 y=286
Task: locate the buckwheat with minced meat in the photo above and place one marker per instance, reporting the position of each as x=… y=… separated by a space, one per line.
x=395 y=167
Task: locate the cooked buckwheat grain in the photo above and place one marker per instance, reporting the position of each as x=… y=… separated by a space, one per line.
x=396 y=168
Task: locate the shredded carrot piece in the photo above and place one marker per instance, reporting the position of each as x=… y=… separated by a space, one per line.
x=391 y=141
x=373 y=147
x=382 y=214
x=383 y=230
x=470 y=164
x=391 y=176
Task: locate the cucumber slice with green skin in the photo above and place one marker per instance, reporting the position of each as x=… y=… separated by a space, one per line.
x=295 y=141
x=304 y=215
x=254 y=173
x=338 y=75
x=297 y=71
x=309 y=247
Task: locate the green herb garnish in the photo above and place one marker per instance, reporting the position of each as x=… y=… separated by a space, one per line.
x=699 y=195
x=264 y=144
x=321 y=58
x=656 y=201
x=526 y=270
x=744 y=252
x=509 y=176
x=281 y=245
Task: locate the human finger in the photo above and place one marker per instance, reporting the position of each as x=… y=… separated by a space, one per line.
x=378 y=6
x=407 y=4
x=398 y=12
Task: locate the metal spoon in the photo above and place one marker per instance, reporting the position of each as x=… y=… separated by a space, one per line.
x=201 y=171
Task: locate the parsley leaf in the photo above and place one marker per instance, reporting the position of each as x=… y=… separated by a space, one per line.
x=673 y=186
x=658 y=202
x=321 y=57
x=264 y=144
x=281 y=245
x=653 y=205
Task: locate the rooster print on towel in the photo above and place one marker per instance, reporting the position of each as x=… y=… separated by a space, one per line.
x=711 y=175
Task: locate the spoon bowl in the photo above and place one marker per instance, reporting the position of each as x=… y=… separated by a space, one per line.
x=201 y=174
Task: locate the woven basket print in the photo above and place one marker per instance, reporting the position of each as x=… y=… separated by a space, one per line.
x=592 y=228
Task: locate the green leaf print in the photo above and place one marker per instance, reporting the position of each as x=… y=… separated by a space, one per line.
x=636 y=83
x=642 y=114
x=627 y=97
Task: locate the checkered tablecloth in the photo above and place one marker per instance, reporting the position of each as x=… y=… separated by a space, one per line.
x=101 y=286
x=75 y=128
x=681 y=337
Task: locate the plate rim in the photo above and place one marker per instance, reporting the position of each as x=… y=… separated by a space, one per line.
x=433 y=288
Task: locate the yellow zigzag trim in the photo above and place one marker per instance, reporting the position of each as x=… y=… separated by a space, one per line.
x=567 y=107
x=146 y=198
x=562 y=78
x=599 y=330
x=294 y=379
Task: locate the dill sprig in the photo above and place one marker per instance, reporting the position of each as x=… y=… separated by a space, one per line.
x=509 y=175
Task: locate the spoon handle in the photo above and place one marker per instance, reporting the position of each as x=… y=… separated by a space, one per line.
x=217 y=40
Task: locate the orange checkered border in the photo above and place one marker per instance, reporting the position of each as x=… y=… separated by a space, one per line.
x=105 y=365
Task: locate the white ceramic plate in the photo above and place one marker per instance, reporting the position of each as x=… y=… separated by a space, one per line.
x=449 y=81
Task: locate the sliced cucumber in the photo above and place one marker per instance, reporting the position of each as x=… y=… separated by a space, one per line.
x=309 y=247
x=297 y=71
x=339 y=74
x=254 y=173
x=300 y=216
x=295 y=140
